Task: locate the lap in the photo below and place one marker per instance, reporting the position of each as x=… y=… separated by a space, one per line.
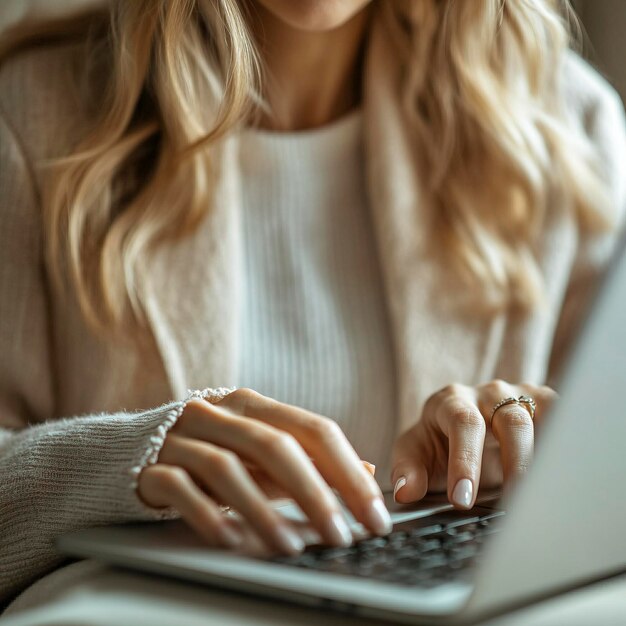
x=87 y=593
x=92 y=594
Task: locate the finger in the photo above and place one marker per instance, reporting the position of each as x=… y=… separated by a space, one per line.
x=464 y=425
x=513 y=428
x=166 y=485
x=283 y=458
x=495 y=391
x=274 y=491
x=544 y=397
x=335 y=458
x=410 y=474
x=222 y=473
x=370 y=467
x=271 y=489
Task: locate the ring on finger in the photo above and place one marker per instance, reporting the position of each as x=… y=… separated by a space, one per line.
x=526 y=401
x=228 y=511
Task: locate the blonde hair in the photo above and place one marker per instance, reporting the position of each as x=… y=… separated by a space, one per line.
x=484 y=102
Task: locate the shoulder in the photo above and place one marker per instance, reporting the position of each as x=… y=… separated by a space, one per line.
x=36 y=105
x=586 y=87
x=598 y=110
x=40 y=98
x=597 y=107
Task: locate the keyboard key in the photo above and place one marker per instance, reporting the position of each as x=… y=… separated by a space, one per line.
x=491 y=516
x=426 y=530
x=423 y=552
x=462 y=522
x=374 y=542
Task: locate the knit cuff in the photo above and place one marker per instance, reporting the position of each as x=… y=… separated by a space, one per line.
x=157 y=440
x=209 y=394
x=150 y=456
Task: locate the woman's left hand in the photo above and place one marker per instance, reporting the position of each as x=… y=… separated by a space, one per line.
x=457 y=447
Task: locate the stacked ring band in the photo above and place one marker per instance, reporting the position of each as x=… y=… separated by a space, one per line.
x=526 y=401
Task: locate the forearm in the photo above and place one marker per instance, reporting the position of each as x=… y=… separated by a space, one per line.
x=68 y=474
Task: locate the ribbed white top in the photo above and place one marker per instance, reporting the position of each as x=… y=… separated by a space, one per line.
x=314 y=330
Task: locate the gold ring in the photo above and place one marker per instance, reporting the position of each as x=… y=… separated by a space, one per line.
x=530 y=405
x=526 y=401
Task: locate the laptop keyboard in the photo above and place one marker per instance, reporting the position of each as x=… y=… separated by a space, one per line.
x=423 y=552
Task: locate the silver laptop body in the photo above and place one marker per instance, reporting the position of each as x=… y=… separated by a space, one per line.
x=564 y=525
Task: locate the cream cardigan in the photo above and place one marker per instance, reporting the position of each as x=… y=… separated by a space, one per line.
x=58 y=474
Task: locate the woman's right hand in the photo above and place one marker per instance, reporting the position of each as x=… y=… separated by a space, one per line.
x=220 y=454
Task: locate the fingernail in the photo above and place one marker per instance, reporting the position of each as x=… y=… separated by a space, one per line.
x=378 y=518
x=229 y=536
x=290 y=540
x=399 y=484
x=339 y=530
x=370 y=467
x=462 y=494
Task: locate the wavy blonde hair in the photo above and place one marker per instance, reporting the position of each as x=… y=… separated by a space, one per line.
x=484 y=101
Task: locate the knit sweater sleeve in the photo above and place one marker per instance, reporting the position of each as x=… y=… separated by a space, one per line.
x=67 y=474
x=55 y=475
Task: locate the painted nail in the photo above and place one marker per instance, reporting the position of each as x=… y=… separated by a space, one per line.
x=229 y=536
x=462 y=494
x=399 y=484
x=378 y=518
x=370 y=467
x=290 y=540
x=339 y=530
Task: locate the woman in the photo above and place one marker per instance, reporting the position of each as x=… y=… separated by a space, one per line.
x=186 y=198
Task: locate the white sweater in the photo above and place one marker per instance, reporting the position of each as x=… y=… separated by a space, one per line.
x=315 y=330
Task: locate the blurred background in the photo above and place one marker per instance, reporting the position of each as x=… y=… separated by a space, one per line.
x=604 y=22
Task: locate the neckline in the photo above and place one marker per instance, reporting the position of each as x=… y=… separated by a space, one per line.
x=343 y=124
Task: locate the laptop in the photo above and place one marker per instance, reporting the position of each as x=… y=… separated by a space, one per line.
x=562 y=527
